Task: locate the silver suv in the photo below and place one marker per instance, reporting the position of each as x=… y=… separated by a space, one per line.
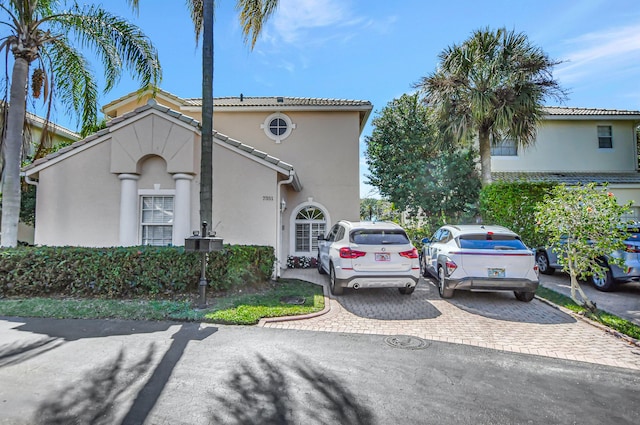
x=547 y=260
x=368 y=255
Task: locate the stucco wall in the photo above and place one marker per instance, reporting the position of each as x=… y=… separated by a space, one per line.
x=78 y=201
x=244 y=199
x=572 y=145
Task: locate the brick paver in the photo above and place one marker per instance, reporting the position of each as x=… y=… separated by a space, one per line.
x=491 y=320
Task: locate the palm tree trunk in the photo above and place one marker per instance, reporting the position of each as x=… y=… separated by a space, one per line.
x=485 y=156
x=206 y=160
x=12 y=153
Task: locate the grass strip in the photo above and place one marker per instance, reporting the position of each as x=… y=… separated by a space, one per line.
x=241 y=309
x=614 y=322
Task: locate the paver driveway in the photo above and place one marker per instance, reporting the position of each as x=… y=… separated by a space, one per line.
x=491 y=320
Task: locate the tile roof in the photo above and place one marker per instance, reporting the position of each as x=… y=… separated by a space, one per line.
x=569 y=178
x=561 y=111
x=152 y=104
x=278 y=101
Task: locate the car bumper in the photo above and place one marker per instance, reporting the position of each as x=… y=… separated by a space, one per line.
x=486 y=284
x=379 y=281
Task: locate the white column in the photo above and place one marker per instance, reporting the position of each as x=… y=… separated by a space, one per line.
x=182 y=208
x=128 y=209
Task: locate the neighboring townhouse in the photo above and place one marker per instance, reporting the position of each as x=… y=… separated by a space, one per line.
x=57 y=135
x=285 y=170
x=578 y=145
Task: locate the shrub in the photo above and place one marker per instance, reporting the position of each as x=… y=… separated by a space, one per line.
x=127 y=272
x=512 y=205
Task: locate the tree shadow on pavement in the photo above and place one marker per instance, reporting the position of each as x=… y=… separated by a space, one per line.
x=285 y=394
x=94 y=398
x=19 y=352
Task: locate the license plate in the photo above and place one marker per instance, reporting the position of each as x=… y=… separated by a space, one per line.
x=495 y=272
x=383 y=256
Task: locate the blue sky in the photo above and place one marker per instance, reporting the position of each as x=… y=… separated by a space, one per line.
x=377 y=49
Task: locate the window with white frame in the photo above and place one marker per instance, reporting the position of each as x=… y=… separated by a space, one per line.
x=157 y=220
x=277 y=126
x=506 y=147
x=605 y=137
x=309 y=223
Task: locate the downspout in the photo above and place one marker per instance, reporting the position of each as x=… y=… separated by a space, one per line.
x=28 y=180
x=276 y=272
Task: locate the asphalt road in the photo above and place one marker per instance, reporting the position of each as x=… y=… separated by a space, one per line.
x=111 y=372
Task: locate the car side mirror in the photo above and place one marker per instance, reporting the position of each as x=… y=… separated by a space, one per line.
x=321 y=238
x=426 y=240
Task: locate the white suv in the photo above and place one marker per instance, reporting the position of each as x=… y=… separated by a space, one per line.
x=480 y=258
x=368 y=255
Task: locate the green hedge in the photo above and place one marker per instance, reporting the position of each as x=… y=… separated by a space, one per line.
x=512 y=204
x=127 y=272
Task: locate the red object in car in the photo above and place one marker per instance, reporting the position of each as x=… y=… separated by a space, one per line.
x=346 y=252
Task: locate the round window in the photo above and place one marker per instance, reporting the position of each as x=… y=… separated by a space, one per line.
x=277 y=126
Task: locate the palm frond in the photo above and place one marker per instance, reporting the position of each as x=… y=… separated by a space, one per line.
x=253 y=15
x=119 y=44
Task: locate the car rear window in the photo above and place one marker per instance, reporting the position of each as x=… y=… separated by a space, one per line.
x=379 y=237
x=487 y=241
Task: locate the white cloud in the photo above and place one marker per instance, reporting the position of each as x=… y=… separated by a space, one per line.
x=604 y=51
x=294 y=18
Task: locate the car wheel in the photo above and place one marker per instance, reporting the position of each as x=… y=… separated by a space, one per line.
x=335 y=288
x=423 y=266
x=444 y=292
x=407 y=291
x=543 y=263
x=524 y=296
x=320 y=269
x=604 y=283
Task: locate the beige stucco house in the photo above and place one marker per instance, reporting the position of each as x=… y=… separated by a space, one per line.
x=578 y=145
x=285 y=169
x=55 y=135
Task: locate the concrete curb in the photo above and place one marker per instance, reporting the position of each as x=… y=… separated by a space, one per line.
x=627 y=338
x=325 y=310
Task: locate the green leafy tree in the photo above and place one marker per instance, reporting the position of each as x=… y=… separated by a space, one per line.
x=40 y=32
x=372 y=209
x=414 y=167
x=492 y=85
x=584 y=224
x=253 y=16
x=513 y=204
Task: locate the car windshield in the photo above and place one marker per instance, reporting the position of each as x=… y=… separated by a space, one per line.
x=379 y=237
x=490 y=241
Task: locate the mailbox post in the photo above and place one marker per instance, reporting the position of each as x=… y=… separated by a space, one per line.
x=204 y=244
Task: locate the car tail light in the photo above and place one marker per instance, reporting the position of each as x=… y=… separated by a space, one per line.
x=535 y=268
x=347 y=252
x=632 y=248
x=410 y=254
x=451 y=267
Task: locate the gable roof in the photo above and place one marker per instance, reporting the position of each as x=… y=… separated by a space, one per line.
x=257 y=103
x=559 y=112
x=241 y=148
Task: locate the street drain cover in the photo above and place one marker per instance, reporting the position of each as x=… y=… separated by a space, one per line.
x=406 y=342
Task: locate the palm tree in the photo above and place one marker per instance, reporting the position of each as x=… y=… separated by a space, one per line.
x=253 y=15
x=492 y=85
x=38 y=33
